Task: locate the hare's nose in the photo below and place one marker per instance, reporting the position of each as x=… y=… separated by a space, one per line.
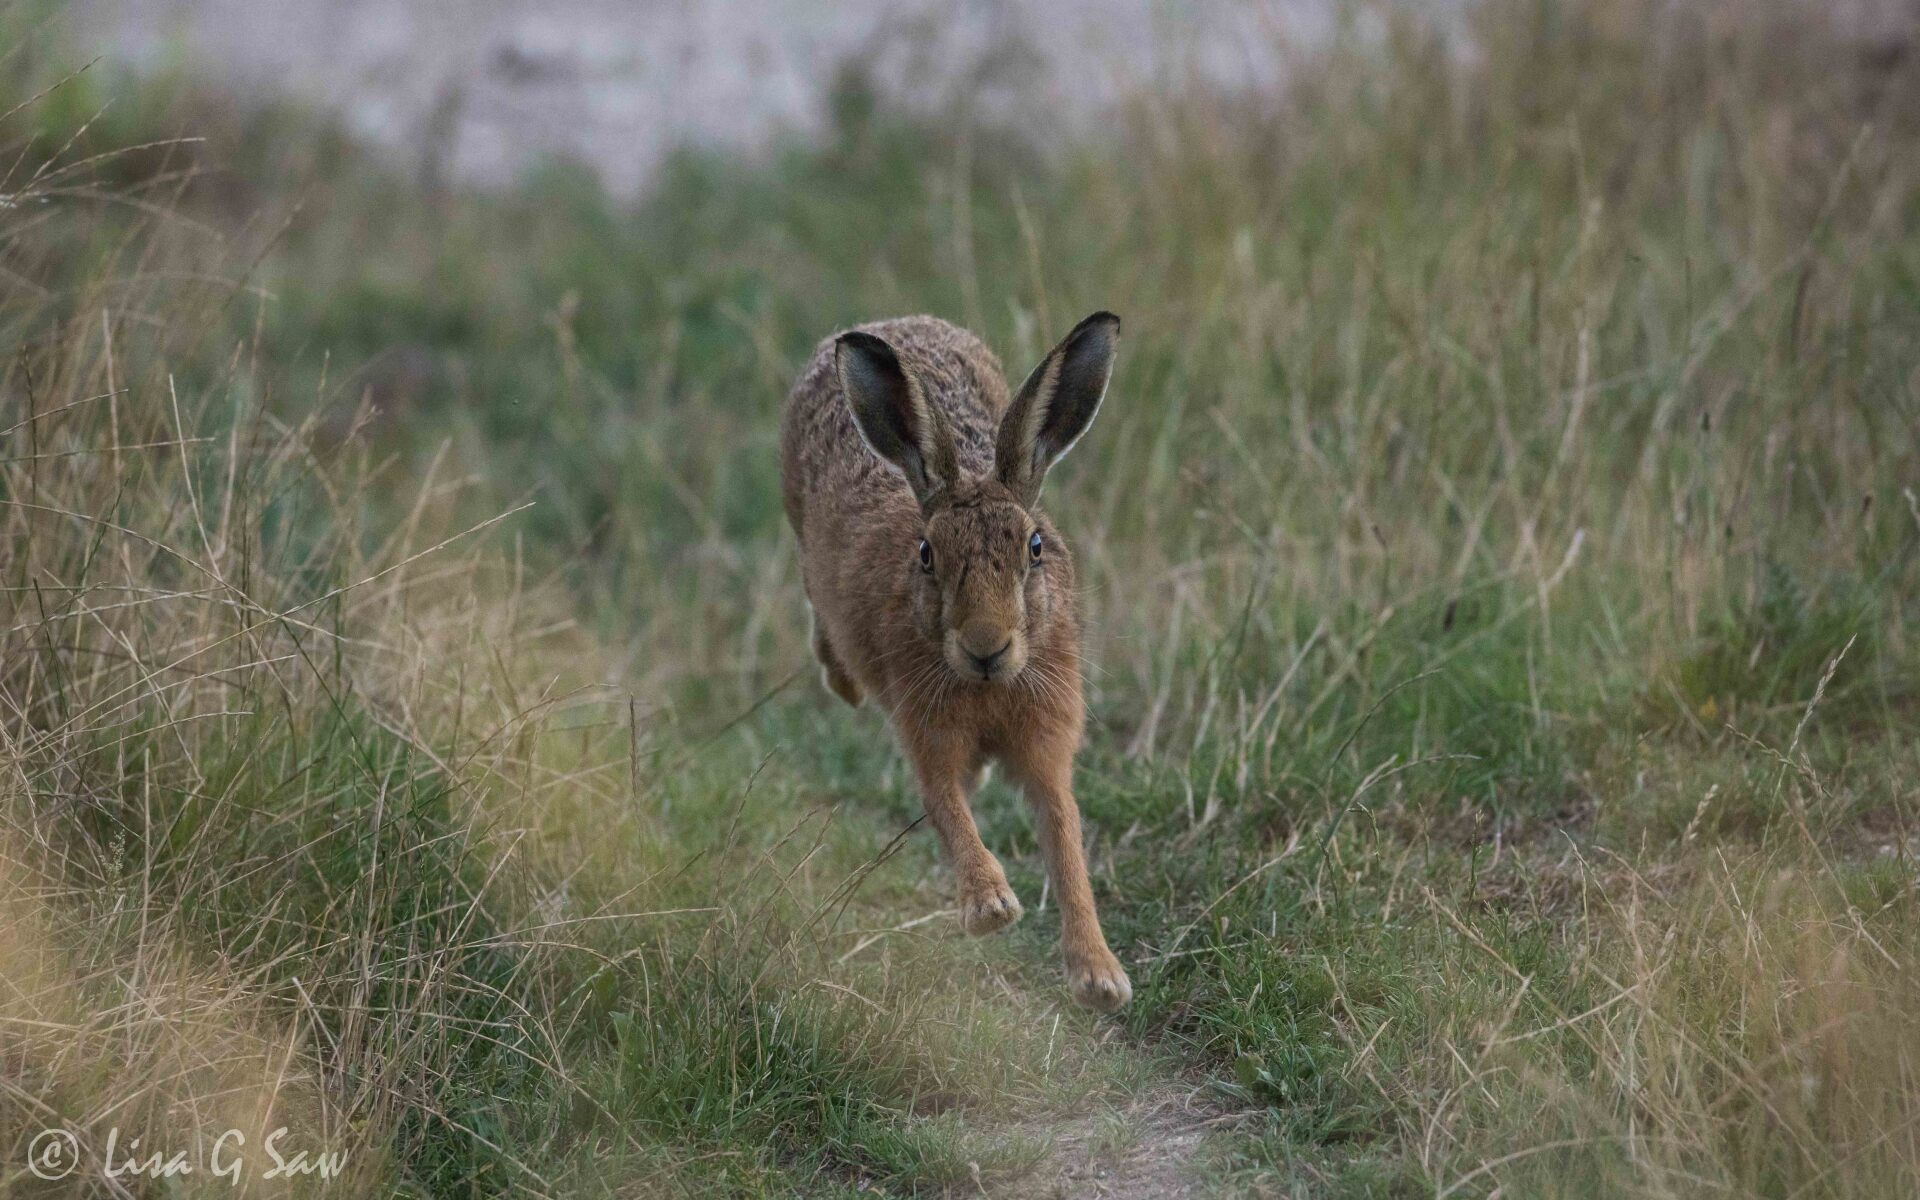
x=986 y=644
x=985 y=663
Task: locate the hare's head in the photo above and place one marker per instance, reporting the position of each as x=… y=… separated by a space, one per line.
x=990 y=575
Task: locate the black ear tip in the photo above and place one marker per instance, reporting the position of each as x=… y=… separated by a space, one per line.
x=863 y=343
x=1101 y=330
x=870 y=370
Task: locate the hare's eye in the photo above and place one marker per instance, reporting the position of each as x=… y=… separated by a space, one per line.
x=1033 y=547
x=926 y=556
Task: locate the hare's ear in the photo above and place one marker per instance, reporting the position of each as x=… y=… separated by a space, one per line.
x=1055 y=405
x=893 y=415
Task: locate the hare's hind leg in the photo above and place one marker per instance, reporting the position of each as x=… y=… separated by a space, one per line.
x=835 y=675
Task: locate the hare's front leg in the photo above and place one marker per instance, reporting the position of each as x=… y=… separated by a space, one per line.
x=1094 y=975
x=947 y=773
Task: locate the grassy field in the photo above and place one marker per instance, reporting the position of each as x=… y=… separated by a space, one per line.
x=1500 y=551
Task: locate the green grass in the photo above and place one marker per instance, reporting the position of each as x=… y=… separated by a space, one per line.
x=1499 y=549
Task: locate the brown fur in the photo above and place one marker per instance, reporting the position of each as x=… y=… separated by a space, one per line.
x=978 y=659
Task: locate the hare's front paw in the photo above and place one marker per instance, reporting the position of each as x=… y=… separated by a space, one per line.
x=1097 y=980
x=987 y=905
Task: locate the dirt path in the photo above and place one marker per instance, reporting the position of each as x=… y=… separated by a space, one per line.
x=1146 y=1152
x=1145 y=1145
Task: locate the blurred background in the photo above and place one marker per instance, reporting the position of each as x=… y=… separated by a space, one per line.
x=1500 y=551
x=489 y=90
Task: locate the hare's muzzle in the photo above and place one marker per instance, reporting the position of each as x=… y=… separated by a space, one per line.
x=986 y=651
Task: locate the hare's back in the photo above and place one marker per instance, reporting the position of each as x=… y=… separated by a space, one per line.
x=821 y=453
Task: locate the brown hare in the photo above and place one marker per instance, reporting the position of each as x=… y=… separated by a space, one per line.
x=939 y=588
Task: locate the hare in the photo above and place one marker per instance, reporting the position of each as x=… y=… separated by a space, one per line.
x=939 y=588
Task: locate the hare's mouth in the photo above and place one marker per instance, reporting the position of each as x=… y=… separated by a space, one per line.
x=997 y=666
